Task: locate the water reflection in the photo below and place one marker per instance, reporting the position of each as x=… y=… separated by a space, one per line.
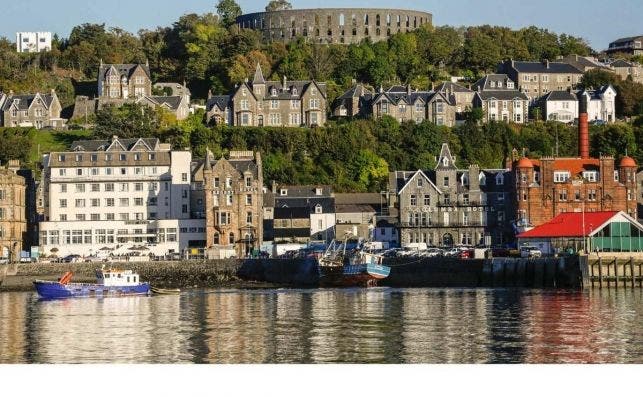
x=378 y=325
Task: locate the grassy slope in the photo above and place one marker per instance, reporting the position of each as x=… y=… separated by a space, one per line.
x=50 y=141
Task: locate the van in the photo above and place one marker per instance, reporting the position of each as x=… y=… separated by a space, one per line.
x=528 y=251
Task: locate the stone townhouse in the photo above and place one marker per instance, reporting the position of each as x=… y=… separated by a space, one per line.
x=31 y=110
x=584 y=64
x=353 y=103
x=538 y=78
x=13 y=221
x=449 y=206
x=461 y=96
x=383 y=232
x=229 y=193
x=564 y=105
x=178 y=105
x=626 y=45
x=500 y=100
x=355 y=221
x=626 y=69
x=124 y=81
x=270 y=103
x=401 y=103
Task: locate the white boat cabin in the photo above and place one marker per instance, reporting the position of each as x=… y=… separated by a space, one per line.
x=117 y=278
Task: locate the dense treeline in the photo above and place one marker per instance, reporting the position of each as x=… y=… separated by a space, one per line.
x=357 y=155
x=210 y=52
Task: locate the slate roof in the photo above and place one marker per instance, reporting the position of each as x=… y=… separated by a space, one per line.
x=622 y=63
x=303 y=191
x=358 y=198
x=327 y=203
x=356 y=91
x=625 y=40
x=544 y=67
x=286 y=94
x=484 y=83
x=24 y=101
x=125 y=69
x=503 y=95
x=452 y=87
x=558 y=96
x=222 y=101
x=100 y=145
x=353 y=208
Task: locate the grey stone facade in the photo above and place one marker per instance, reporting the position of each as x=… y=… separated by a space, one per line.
x=448 y=206
x=538 y=78
x=31 y=110
x=123 y=81
x=334 y=25
x=500 y=100
x=270 y=103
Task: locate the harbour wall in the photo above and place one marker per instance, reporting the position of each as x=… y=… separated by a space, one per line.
x=568 y=272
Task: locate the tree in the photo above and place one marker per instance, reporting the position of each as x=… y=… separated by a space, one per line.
x=278 y=5
x=131 y=120
x=613 y=139
x=228 y=10
x=481 y=52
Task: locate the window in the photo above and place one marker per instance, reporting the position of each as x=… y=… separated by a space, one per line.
x=123 y=202
x=465 y=199
x=109 y=202
x=295 y=104
x=427 y=200
x=561 y=176
x=108 y=171
x=591 y=195
x=80 y=217
x=248 y=199
x=138 y=201
x=63 y=188
x=274 y=104
x=249 y=218
x=109 y=187
x=184 y=208
x=124 y=187
x=80 y=188
x=95 y=202
x=447 y=199
x=63 y=203
x=562 y=195
x=138 y=171
x=590 y=176
x=228 y=199
x=445 y=181
x=79 y=172
x=184 y=177
x=318 y=209
x=80 y=203
x=414 y=200
x=500 y=179
x=95 y=187
x=501 y=197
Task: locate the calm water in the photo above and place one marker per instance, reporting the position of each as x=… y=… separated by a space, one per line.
x=379 y=325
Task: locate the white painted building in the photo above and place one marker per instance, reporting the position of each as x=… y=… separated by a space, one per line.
x=559 y=106
x=601 y=104
x=33 y=41
x=122 y=196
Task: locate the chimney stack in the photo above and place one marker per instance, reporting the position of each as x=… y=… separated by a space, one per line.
x=583 y=128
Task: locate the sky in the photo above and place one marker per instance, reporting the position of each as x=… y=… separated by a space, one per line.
x=597 y=21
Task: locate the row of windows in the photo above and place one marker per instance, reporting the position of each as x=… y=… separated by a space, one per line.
x=398 y=20
x=108 y=157
x=110 y=202
x=222 y=218
x=229 y=199
x=111 y=236
x=111 y=187
x=228 y=182
x=110 y=216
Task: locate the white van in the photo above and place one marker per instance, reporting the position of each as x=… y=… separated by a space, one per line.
x=528 y=251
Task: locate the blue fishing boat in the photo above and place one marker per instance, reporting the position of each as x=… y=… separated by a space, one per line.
x=112 y=282
x=360 y=268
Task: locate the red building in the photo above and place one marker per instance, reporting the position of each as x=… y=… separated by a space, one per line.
x=553 y=185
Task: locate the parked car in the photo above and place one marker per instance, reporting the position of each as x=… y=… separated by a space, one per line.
x=530 y=252
x=71 y=259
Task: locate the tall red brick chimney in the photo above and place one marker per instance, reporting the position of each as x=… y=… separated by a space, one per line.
x=583 y=128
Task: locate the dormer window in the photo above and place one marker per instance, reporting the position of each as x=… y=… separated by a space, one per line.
x=61 y=158
x=492 y=84
x=273 y=92
x=500 y=179
x=318 y=191
x=561 y=176
x=510 y=84
x=483 y=179
x=318 y=209
x=500 y=84
x=590 y=176
x=283 y=192
x=464 y=180
x=294 y=90
x=445 y=162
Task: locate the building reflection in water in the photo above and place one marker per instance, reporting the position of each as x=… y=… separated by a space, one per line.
x=379 y=325
x=13 y=345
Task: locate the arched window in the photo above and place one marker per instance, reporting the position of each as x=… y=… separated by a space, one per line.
x=329 y=20
x=415 y=22
x=464 y=179
x=388 y=31
x=292 y=22
x=316 y=20
x=408 y=21
x=354 y=32
x=483 y=179
x=293 y=33
x=500 y=179
x=341 y=19
x=354 y=20
x=377 y=32
x=231 y=238
x=365 y=19
x=399 y=21
x=316 y=32
x=366 y=31
x=388 y=19
x=377 y=20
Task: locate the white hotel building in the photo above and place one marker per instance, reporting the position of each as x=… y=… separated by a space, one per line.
x=118 y=197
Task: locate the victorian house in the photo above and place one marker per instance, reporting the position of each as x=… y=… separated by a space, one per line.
x=450 y=206
x=500 y=100
x=31 y=110
x=124 y=81
x=231 y=191
x=538 y=78
x=13 y=221
x=270 y=103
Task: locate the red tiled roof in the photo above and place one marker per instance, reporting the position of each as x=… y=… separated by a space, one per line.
x=570 y=224
x=575 y=166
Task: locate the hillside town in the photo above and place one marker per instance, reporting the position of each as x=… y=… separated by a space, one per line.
x=139 y=197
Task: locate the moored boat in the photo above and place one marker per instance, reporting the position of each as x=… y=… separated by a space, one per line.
x=166 y=291
x=361 y=268
x=112 y=282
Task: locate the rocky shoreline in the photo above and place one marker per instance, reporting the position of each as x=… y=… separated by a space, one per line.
x=218 y=274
